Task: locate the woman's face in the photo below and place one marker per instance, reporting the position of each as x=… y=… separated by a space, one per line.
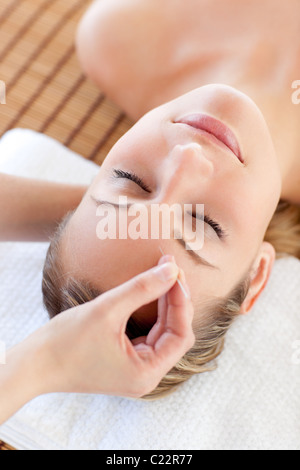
x=181 y=164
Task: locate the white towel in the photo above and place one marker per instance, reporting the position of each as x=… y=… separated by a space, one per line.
x=251 y=401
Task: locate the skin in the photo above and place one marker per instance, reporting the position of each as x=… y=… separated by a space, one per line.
x=30 y=210
x=68 y=354
x=181 y=166
x=142 y=53
x=56 y=357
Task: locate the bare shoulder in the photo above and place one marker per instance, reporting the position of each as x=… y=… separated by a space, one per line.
x=124 y=46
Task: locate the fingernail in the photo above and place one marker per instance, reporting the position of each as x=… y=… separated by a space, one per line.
x=167 y=272
x=184 y=283
x=182 y=275
x=167 y=258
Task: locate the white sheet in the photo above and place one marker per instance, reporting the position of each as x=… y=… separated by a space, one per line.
x=251 y=401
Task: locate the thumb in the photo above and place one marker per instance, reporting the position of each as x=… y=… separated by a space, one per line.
x=141 y=290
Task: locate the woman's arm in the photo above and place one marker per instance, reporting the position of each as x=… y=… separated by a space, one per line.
x=30 y=209
x=86 y=350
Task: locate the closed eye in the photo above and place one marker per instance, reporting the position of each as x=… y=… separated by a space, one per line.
x=214 y=225
x=132 y=177
x=141 y=183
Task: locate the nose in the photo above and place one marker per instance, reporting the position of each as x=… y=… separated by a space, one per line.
x=187 y=168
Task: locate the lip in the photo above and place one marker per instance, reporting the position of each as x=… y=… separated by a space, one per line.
x=216 y=128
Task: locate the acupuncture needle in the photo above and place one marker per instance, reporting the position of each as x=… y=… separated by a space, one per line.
x=178 y=281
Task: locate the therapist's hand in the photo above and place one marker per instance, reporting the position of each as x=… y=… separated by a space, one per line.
x=86 y=349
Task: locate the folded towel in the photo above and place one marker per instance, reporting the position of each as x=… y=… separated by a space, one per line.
x=251 y=401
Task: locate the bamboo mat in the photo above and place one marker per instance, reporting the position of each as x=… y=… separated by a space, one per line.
x=42 y=83
x=4 y=446
x=45 y=89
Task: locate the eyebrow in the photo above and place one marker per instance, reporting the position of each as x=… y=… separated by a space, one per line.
x=195 y=257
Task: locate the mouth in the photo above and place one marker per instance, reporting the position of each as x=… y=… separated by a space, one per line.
x=215 y=128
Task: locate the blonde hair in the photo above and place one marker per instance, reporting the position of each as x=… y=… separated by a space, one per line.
x=284 y=230
x=210 y=329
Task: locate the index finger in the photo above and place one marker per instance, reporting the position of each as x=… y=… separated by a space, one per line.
x=176 y=336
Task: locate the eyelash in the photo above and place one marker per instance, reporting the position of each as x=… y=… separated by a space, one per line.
x=136 y=179
x=215 y=226
x=133 y=177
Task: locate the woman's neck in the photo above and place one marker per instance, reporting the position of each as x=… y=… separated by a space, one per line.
x=280 y=110
x=252 y=46
x=267 y=77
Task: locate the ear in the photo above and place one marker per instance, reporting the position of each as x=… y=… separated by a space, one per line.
x=259 y=276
